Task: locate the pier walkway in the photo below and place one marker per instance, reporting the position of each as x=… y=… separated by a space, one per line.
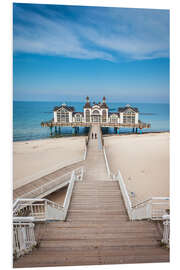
x=95 y=164
x=97 y=229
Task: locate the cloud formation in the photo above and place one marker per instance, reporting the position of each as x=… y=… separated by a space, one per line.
x=112 y=34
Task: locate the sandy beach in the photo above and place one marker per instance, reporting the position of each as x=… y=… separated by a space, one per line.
x=143 y=161
x=33 y=159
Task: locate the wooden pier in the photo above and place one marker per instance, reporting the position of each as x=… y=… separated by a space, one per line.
x=97 y=229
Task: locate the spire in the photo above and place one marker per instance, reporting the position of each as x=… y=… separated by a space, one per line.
x=87 y=99
x=104 y=100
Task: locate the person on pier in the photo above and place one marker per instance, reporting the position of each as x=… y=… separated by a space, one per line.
x=92 y=135
x=95 y=136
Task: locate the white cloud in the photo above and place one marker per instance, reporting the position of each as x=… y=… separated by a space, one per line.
x=96 y=33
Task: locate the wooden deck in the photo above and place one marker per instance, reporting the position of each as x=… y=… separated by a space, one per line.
x=97 y=229
x=88 y=124
x=23 y=190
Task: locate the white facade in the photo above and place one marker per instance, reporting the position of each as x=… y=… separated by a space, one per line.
x=97 y=113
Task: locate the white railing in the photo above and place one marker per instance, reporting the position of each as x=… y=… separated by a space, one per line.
x=68 y=195
x=106 y=162
x=39 y=209
x=43 y=209
x=125 y=195
x=51 y=186
x=26 y=211
x=153 y=208
x=166 y=232
x=23 y=238
x=85 y=150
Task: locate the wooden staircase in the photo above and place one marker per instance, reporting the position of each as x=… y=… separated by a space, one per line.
x=97 y=229
x=19 y=192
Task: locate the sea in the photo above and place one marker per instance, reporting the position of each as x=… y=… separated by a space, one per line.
x=27 y=118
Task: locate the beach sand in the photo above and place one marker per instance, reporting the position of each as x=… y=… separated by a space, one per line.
x=33 y=159
x=143 y=161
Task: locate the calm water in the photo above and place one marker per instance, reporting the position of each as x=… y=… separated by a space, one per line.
x=27 y=117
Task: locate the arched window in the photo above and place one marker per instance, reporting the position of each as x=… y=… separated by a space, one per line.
x=96 y=117
x=96 y=112
x=103 y=115
x=63 y=116
x=87 y=115
x=129 y=117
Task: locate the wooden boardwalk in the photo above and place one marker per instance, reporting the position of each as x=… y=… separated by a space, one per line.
x=19 y=192
x=97 y=229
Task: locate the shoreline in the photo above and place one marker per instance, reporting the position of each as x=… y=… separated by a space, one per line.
x=85 y=135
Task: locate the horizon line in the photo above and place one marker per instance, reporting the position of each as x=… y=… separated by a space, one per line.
x=91 y=101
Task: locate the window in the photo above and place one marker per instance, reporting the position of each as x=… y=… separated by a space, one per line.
x=114 y=118
x=78 y=118
x=103 y=115
x=87 y=116
x=129 y=117
x=63 y=116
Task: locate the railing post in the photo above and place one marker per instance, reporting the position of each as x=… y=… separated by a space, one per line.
x=166 y=232
x=149 y=210
x=45 y=210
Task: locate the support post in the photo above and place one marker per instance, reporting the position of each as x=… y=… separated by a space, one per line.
x=115 y=130
x=136 y=130
x=50 y=130
x=55 y=130
x=59 y=130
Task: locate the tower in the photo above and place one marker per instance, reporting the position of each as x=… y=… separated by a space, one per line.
x=87 y=99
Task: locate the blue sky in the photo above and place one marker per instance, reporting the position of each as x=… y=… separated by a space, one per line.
x=65 y=53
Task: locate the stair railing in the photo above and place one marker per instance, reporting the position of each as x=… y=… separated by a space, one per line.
x=49 y=187
x=153 y=208
x=166 y=232
x=125 y=195
x=23 y=238
x=44 y=209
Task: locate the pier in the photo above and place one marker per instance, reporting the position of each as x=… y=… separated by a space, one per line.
x=100 y=226
x=66 y=116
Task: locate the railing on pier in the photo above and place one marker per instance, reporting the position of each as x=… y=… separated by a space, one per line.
x=52 y=124
x=153 y=208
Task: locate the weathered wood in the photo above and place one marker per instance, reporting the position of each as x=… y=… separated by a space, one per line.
x=97 y=229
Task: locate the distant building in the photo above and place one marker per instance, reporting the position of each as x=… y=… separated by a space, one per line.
x=96 y=113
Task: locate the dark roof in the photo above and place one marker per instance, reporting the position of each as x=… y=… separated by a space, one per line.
x=122 y=109
x=111 y=113
x=87 y=105
x=68 y=108
x=78 y=112
x=104 y=105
